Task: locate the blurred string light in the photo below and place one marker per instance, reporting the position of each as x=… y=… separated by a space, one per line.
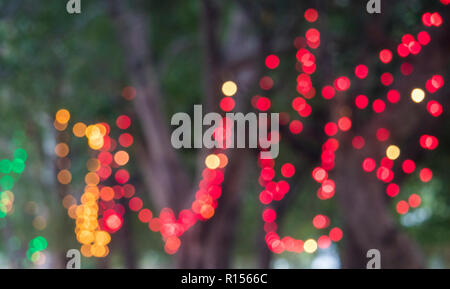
x=275 y=191
x=409 y=45
x=35 y=252
x=91 y=232
x=170 y=226
x=10 y=172
x=98 y=216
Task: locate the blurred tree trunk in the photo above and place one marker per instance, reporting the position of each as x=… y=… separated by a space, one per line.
x=210 y=244
x=166 y=176
x=367 y=222
x=207 y=244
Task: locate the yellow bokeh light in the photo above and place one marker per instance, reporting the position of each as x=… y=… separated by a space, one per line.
x=102 y=129
x=68 y=201
x=99 y=251
x=121 y=158
x=71 y=211
x=212 y=161
x=79 y=129
x=85 y=237
x=91 y=178
x=96 y=143
x=229 y=88
x=59 y=126
x=63 y=116
x=393 y=152
x=310 y=246
x=86 y=250
x=102 y=238
x=417 y=95
x=64 y=177
x=62 y=150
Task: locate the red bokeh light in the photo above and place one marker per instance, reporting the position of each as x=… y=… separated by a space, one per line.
x=112 y=220
x=402 y=50
x=342 y=83
x=423 y=37
x=267 y=174
x=328 y=92
x=425 y=175
x=385 y=174
x=312 y=35
x=263 y=103
x=324 y=242
x=272 y=61
x=434 y=108
x=387 y=79
x=269 y=215
x=402 y=207
x=378 y=106
x=361 y=71
x=122 y=176
x=414 y=200
x=265 y=197
x=227 y=104
x=266 y=82
x=361 y=101
x=296 y=126
x=311 y=15
x=428 y=142
x=335 y=234
x=369 y=165
x=393 y=96
x=358 y=142
x=392 y=190
x=145 y=215
x=344 y=123
x=126 y=140
x=123 y=122
x=135 y=204
x=408 y=166
x=383 y=134
x=385 y=56
x=319 y=174
x=320 y=221
x=406 y=68
x=331 y=129
x=288 y=170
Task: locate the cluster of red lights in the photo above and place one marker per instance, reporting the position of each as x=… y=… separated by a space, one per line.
x=384 y=172
x=276 y=190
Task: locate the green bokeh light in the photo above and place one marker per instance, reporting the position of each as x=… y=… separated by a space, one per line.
x=38 y=243
x=21 y=154
x=18 y=166
x=5 y=166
